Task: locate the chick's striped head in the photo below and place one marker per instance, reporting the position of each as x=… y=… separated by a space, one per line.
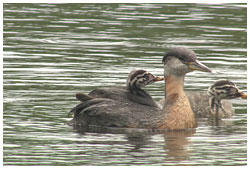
x=141 y=78
x=225 y=89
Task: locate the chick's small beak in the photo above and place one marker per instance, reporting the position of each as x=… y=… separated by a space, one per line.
x=243 y=95
x=153 y=78
x=158 y=79
x=196 y=65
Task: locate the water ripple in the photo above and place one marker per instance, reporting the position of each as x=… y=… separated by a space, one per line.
x=52 y=51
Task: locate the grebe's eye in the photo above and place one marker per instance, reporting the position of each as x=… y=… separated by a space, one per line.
x=181 y=59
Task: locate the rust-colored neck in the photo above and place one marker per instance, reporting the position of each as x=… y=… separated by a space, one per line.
x=173 y=85
x=177 y=110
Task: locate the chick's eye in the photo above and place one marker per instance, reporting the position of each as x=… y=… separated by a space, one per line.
x=233 y=90
x=146 y=76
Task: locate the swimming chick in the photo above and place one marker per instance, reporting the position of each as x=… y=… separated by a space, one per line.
x=215 y=101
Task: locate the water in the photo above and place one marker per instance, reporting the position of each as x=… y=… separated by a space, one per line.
x=52 y=51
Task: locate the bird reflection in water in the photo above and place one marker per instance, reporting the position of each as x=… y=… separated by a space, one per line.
x=175 y=142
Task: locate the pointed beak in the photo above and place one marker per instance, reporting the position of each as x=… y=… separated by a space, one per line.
x=240 y=94
x=196 y=65
x=158 y=79
x=243 y=95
